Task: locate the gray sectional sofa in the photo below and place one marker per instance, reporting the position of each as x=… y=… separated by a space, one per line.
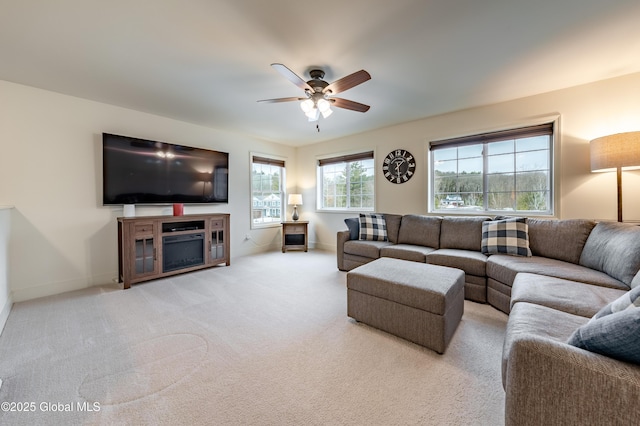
x=576 y=268
x=448 y=241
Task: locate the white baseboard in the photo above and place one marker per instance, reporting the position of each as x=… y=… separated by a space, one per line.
x=49 y=289
x=4 y=314
x=324 y=247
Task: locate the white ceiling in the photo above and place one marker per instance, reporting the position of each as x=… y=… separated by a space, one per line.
x=208 y=61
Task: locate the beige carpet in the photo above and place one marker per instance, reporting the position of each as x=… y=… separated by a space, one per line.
x=265 y=341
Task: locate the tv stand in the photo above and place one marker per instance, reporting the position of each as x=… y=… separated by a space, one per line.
x=158 y=246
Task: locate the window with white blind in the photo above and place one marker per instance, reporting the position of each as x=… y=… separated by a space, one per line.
x=267 y=191
x=346 y=182
x=502 y=172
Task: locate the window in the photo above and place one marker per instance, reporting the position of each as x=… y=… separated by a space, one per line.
x=347 y=182
x=500 y=172
x=267 y=183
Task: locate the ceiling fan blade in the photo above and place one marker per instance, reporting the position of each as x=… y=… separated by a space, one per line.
x=347 y=82
x=282 y=100
x=347 y=104
x=292 y=77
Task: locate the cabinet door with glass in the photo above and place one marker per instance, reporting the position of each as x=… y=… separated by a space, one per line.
x=218 y=247
x=145 y=250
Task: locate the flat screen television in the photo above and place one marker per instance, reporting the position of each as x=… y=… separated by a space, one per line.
x=139 y=171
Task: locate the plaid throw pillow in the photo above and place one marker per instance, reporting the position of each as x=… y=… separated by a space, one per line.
x=373 y=227
x=507 y=236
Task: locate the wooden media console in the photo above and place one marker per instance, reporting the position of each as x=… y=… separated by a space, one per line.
x=158 y=246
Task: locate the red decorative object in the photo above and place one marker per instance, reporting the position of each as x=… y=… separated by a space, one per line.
x=178 y=209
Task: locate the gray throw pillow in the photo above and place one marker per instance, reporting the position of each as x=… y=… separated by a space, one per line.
x=629 y=300
x=636 y=281
x=614 y=330
x=353 y=223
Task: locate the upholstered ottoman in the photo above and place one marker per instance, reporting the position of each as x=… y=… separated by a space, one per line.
x=419 y=302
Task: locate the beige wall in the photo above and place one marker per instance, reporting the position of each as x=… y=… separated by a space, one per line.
x=584 y=112
x=62 y=238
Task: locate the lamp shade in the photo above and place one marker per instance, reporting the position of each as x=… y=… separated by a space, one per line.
x=295 y=199
x=613 y=151
x=313 y=115
x=306 y=105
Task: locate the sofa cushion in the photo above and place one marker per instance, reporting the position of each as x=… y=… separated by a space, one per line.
x=504 y=268
x=393 y=226
x=507 y=236
x=559 y=239
x=613 y=248
x=420 y=230
x=564 y=295
x=614 y=335
x=463 y=233
x=353 y=224
x=406 y=252
x=471 y=262
x=373 y=227
x=370 y=249
x=529 y=321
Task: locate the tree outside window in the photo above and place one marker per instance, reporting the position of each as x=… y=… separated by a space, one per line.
x=502 y=172
x=267 y=183
x=347 y=182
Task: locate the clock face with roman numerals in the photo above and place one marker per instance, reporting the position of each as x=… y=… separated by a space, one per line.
x=399 y=166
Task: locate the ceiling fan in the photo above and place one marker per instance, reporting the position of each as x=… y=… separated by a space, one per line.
x=319 y=94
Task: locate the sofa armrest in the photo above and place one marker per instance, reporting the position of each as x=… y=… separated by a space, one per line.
x=342 y=237
x=550 y=382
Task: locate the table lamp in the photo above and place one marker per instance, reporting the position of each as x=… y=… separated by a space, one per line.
x=295 y=200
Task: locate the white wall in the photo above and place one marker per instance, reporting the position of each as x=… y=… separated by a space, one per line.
x=62 y=238
x=586 y=112
x=5 y=291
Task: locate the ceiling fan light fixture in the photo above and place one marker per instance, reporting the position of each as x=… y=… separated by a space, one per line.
x=325 y=107
x=307 y=105
x=317 y=92
x=313 y=115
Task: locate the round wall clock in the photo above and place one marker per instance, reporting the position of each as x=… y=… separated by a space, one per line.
x=399 y=165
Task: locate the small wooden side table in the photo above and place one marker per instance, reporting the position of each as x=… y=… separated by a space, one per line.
x=294 y=235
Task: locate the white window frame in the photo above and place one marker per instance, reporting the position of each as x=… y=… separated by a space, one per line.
x=272 y=161
x=548 y=127
x=344 y=158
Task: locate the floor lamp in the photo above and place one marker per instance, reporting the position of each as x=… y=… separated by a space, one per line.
x=616 y=152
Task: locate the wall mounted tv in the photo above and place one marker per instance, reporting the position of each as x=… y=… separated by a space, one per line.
x=139 y=171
